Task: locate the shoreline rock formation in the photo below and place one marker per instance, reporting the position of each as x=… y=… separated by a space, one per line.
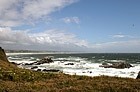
x=11 y=65
x=46 y=59
x=120 y=65
x=50 y=70
x=3 y=55
x=138 y=76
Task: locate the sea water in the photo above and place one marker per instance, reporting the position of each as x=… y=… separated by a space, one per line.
x=83 y=63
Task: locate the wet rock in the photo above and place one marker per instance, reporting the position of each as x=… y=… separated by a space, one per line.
x=42 y=61
x=51 y=70
x=123 y=65
x=104 y=63
x=39 y=63
x=138 y=77
x=120 y=65
x=45 y=60
x=69 y=64
x=29 y=64
x=106 y=66
x=15 y=63
x=90 y=72
x=38 y=69
x=34 y=67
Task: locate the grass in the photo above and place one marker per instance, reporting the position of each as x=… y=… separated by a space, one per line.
x=14 y=79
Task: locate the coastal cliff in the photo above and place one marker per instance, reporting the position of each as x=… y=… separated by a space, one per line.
x=3 y=55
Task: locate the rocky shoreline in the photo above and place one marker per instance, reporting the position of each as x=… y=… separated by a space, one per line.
x=47 y=60
x=120 y=65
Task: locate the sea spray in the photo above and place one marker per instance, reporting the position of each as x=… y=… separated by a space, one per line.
x=81 y=64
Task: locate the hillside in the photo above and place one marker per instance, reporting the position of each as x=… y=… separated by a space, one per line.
x=14 y=79
x=3 y=55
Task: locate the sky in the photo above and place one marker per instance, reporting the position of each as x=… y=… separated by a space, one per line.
x=96 y=26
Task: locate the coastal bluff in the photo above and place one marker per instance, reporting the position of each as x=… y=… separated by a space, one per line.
x=3 y=55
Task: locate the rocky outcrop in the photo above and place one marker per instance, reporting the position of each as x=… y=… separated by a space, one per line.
x=15 y=63
x=104 y=63
x=3 y=55
x=30 y=63
x=38 y=69
x=69 y=64
x=138 y=76
x=34 y=67
x=120 y=65
x=51 y=70
x=44 y=60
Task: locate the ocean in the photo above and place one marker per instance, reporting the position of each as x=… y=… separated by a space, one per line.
x=82 y=63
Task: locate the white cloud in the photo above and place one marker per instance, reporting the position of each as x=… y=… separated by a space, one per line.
x=131 y=46
x=76 y=20
x=118 y=36
x=71 y=19
x=19 y=12
x=60 y=41
x=122 y=36
x=47 y=40
x=66 y=20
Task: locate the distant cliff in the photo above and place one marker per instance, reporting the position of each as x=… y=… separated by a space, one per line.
x=3 y=55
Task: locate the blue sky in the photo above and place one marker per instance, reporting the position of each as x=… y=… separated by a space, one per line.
x=71 y=25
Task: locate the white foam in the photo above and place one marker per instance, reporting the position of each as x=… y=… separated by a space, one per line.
x=21 y=61
x=116 y=60
x=83 y=67
x=97 y=71
x=16 y=58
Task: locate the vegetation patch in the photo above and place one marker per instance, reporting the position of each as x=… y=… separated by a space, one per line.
x=14 y=79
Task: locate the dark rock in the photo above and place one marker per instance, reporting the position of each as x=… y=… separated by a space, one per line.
x=34 y=67
x=39 y=63
x=104 y=63
x=44 y=60
x=106 y=66
x=29 y=63
x=69 y=64
x=89 y=71
x=138 y=77
x=51 y=70
x=38 y=69
x=15 y=63
x=120 y=65
x=34 y=62
x=123 y=65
